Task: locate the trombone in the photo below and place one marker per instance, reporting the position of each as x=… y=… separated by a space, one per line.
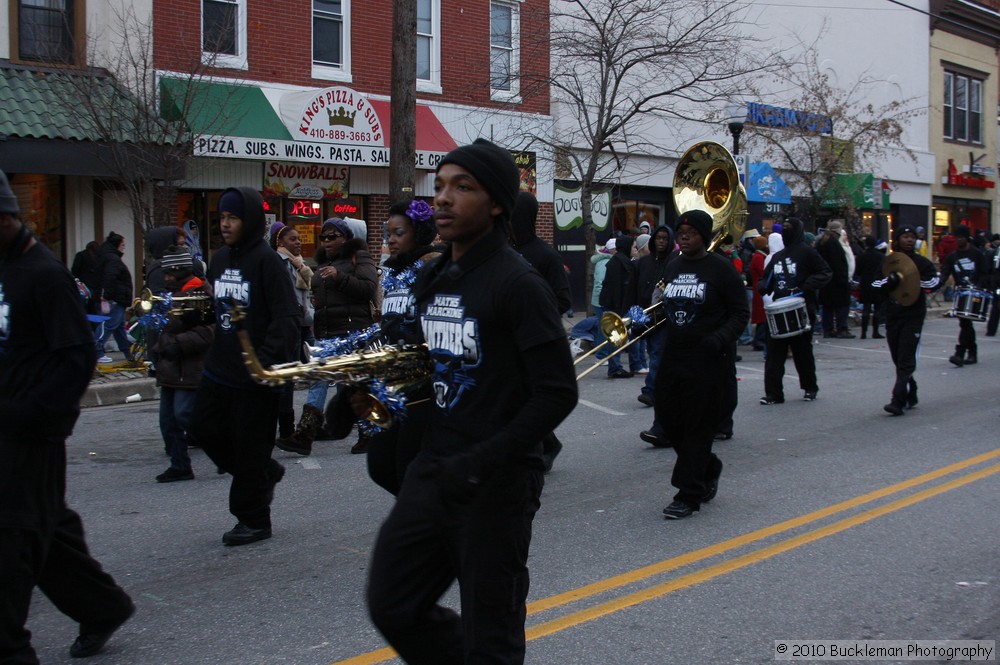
x=616 y=332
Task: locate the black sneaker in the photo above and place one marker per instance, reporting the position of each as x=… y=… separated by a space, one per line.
x=894 y=409
x=650 y=437
x=241 y=534
x=768 y=401
x=90 y=641
x=173 y=475
x=810 y=396
x=911 y=402
x=679 y=510
x=645 y=399
x=620 y=374
x=293 y=444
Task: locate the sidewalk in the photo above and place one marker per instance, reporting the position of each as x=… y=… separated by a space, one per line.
x=113 y=383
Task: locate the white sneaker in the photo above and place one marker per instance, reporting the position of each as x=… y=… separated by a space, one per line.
x=104 y=360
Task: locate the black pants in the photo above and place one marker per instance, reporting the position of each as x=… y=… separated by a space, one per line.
x=235 y=427
x=903 y=337
x=428 y=541
x=688 y=397
x=730 y=396
x=966 y=337
x=42 y=544
x=991 y=323
x=802 y=356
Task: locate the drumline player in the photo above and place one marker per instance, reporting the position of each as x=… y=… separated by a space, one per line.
x=904 y=323
x=798 y=269
x=967 y=266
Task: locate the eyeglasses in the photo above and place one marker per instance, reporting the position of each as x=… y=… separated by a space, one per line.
x=331 y=236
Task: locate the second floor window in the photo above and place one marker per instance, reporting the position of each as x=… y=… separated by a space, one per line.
x=45 y=30
x=223 y=32
x=328 y=33
x=503 y=48
x=963 y=108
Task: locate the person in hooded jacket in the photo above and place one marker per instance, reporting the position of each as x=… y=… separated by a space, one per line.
x=410 y=234
x=235 y=418
x=649 y=274
x=344 y=285
x=115 y=296
x=547 y=261
x=180 y=349
x=798 y=269
x=835 y=297
x=87 y=269
x=157 y=241
x=600 y=261
x=868 y=267
x=618 y=295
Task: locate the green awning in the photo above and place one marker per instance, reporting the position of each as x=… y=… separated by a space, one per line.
x=84 y=105
x=220 y=109
x=854 y=190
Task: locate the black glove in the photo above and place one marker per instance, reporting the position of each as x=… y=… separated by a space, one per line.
x=460 y=477
x=893 y=280
x=711 y=343
x=762 y=288
x=171 y=351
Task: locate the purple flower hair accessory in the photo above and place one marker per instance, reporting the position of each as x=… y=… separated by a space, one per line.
x=419 y=211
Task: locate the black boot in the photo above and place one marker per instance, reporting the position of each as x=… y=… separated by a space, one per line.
x=875 y=333
x=301 y=441
x=864 y=326
x=972 y=356
x=959 y=358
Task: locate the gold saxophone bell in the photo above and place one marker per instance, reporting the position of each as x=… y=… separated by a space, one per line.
x=401 y=369
x=707 y=179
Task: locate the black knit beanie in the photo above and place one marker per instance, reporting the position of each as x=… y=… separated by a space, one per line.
x=700 y=221
x=492 y=167
x=8 y=202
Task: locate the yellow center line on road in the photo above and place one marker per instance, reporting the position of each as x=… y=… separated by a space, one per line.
x=688 y=558
x=697 y=577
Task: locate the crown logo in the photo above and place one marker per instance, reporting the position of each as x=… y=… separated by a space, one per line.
x=341 y=117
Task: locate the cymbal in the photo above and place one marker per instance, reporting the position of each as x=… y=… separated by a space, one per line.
x=909 y=284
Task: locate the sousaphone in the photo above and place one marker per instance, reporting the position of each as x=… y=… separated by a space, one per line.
x=908 y=289
x=707 y=179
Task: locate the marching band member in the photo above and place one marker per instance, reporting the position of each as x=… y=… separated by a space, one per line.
x=797 y=269
x=705 y=310
x=966 y=266
x=904 y=323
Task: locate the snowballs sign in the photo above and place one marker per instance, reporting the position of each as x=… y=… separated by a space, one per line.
x=336 y=125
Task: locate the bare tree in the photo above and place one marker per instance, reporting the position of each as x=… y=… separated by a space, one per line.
x=118 y=100
x=862 y=133
x=621 y=67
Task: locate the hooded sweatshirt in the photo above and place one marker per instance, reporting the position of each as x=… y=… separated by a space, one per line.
x=796 y=269
x=651 y=268
x=251 y=274
x=116 y=280
x=538 y=253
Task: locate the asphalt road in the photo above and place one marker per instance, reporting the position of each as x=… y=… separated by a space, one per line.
x=833 y=521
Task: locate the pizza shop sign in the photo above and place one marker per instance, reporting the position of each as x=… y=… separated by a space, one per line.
x=332 y=115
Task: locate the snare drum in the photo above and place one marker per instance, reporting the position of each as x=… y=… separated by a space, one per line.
x=787 y=317
x=972 y=304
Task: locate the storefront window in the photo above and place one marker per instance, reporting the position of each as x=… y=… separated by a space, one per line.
x=41 y=203
x=627 y=215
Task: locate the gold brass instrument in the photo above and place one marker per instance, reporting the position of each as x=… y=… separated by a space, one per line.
x=386 y=372
x=199 y=302
x=707 y=179
x=616 y=332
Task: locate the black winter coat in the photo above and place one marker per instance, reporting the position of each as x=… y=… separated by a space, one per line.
x=344 y=303
x=618 y=293
x=116 y=280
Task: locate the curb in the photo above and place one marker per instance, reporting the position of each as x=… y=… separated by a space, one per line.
x=116 y=392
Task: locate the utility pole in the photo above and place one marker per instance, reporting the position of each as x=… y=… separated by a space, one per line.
x=403 y=107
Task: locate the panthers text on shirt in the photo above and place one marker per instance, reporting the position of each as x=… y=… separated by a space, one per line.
x=446 y=329
x=686 y=286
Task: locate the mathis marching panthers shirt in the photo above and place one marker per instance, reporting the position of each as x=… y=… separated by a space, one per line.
x=703 y=297
x=478 y=316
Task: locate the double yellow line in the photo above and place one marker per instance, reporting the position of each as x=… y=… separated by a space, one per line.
x=730 y=565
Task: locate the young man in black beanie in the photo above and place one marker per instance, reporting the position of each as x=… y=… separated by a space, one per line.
x=46 y=361
x=797 y=270
x=705 y=310
x=503 y=378
x=235 y=419
x=904 y=323
x=968 y=267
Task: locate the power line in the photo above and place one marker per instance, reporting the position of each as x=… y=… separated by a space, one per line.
x=964 y=26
